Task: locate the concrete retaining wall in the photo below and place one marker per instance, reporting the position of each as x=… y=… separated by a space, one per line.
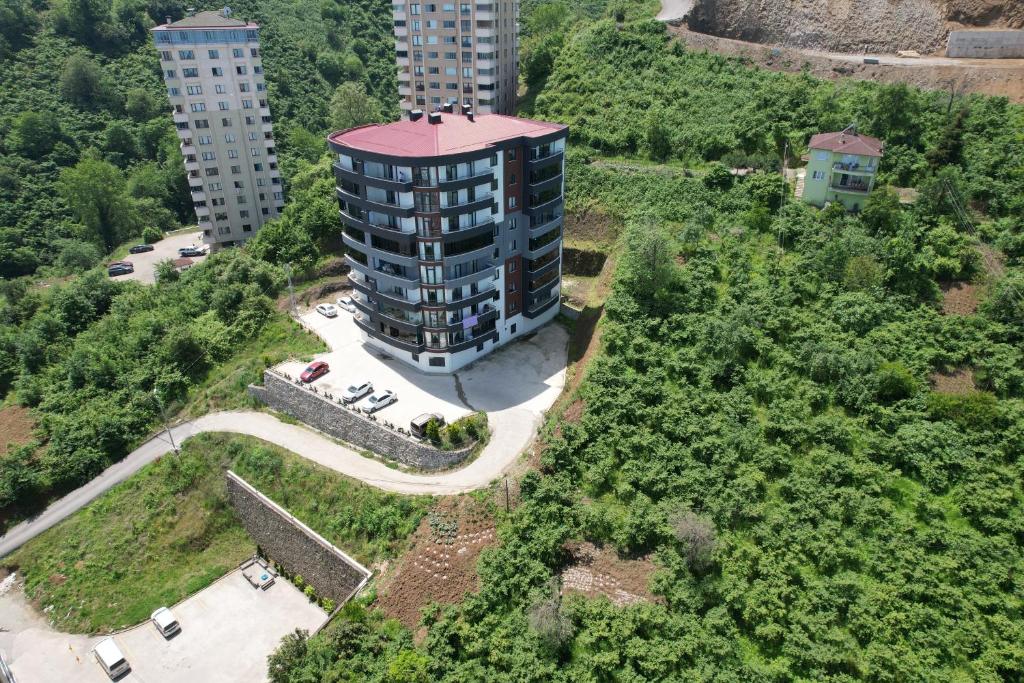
x=994 y=44
x=295 y=546
x=348 y=425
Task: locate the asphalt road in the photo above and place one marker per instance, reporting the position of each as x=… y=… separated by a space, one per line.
x=514 y=385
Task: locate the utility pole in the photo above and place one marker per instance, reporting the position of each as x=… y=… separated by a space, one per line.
x=507 y=508
x=167 y=428
x=291 y=289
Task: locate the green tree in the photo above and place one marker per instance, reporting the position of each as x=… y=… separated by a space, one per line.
x=659 y=144
x=881 y=213
x=85 y=20
x=646 y=267
x=409 y=666
x=119 y=144
x=351 y=106
x=287 y=656
x=82 y=83
x=282 y=241
x=34 y=133
x=141 y=105
x=96 y=192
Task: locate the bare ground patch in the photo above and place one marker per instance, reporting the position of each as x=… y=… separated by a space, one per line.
x=591 y=226
x=960 y=298
x=16 y=427
x=597 y=571
x=958 y=381
x=440 y=565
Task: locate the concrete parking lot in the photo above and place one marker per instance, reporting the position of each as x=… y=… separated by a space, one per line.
x=227 y=631
x=352 y=362
x=167 y=248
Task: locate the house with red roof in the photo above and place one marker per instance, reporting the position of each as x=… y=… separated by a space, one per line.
x=841 y=167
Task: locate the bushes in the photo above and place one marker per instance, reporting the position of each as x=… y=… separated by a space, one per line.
x=151 y=235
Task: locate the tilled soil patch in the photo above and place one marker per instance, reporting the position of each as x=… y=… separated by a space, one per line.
x=440 y=566
x=16 y=427
x=600 y=571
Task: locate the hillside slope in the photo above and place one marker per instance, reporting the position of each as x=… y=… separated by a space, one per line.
x=852 y=25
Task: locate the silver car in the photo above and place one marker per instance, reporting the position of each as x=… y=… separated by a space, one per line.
x=356 y=392
x=379 y=400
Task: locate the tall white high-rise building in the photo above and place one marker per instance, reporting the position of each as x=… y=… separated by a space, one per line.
x=461 y=53
x=214 y=75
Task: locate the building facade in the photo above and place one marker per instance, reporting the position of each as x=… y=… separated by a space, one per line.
x=215 y=83
x=841 y=167
x=453 y=230
x=463 y=53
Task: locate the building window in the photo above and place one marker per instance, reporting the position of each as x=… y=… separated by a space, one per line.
x=169 y=73
x=223 y=106
x=241 y=70
x=237 y=53
x=243 y=87
x=220 y=89
x=245 y=226
x=186 y=54
x=512 y=202
x=818 y=175
x=214 y=54
x=236 y=170
x=437 y=361
x=198 y=106
x=209 y=156
x=513 y=328
x=202 y=123
x=232 y=154
x=217 y=71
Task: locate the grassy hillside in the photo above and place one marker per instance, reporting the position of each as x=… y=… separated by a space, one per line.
x=170 y=530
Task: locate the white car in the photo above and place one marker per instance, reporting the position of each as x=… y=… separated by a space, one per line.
x=327 y=310
x=356 y=392
x=379 y=400
x=165 y=622
x=109 y=656
x=346 y=303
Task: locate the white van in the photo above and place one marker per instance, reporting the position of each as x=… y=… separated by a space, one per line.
x=165 y=622
x=108 y=654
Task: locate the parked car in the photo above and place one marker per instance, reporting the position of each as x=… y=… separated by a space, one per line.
x=327 y=310
x=109 y=656
x=120 y=268
x=379 y=400
x=315 y=370
x=140 y=248
x=346 y=303
x=356 y=392
x=165 y=622
x=418 y=425
x=191 y=252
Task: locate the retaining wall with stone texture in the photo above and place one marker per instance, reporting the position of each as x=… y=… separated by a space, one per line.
x=990 y=44
x=295 y=546
x=329 y=417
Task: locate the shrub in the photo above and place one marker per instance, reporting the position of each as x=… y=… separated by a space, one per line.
x=895 y=382
x=151 y=235
x=976 y=410
x=310 y=593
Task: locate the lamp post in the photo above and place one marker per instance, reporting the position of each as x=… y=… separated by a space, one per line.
x=163 y=415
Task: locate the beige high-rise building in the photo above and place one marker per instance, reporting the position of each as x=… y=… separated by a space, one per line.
x=214 y=75
x=464 y=53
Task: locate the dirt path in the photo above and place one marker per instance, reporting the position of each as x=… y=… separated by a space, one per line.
x=674 y=10
x=1003 y=77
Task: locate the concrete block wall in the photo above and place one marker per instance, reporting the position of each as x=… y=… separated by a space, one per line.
x=321 y=413
x=987 y=44
x=295 y=546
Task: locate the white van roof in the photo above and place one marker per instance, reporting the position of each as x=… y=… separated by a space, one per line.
x=164 y=617
x=108 y=651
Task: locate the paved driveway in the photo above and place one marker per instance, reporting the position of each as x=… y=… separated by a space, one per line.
x=227 y=631
x=167 y=248
x=353 y=363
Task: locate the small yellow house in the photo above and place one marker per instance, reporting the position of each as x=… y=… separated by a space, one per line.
x=841 y=167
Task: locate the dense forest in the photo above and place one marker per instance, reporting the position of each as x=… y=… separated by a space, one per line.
x=88 y=154
x=765 y=419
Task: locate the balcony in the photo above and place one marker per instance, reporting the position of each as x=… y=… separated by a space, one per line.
x=543 y=207
x=485 y=271
x=482 y=252
x=412 y=323
x=180 y=117
x=368 y=286
x=470 y=343
x=537 y=308
x=484 y=202
x=535 y=251
x=404 y=90
x=543 y=265
x=395 y=271
x=197 y=194
x=540 y=185
x=544 y=227
x=487 y=313
x=264 y=111
x=467 y=181
x=854 y=168
x=533 y=164
x=467 y=231
x=379 y=207
x=397 y=342
x=470 y=299
x=851 y=188
x=401 y=184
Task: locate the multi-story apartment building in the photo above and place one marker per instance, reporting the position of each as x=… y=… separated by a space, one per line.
x=453 y=230
x=841 y=167
x=464 y=53
x=214 y=75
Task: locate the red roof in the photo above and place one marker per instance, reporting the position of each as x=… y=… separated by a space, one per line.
x=182 y=262
x=847 y=142
x=455 y=134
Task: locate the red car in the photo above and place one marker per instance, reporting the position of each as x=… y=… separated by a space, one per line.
x=316 y=370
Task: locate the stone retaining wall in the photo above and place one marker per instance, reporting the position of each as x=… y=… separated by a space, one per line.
x=990 y=44
x=348 y=425
x=295 y=546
